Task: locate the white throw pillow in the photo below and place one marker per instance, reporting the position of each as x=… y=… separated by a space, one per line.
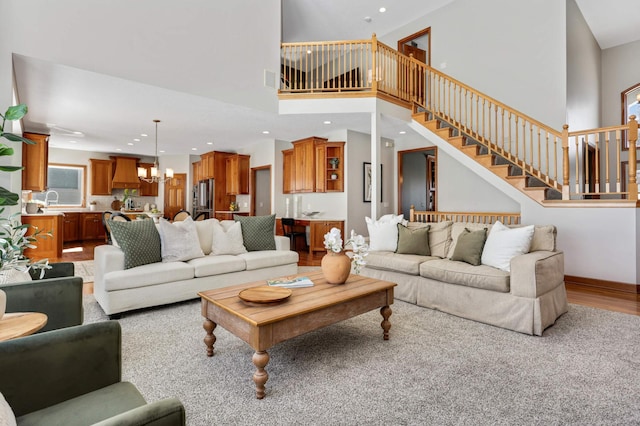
x=383 y=233
x=205 y=233
x=227 y=241
x=7 y=418
x=14 y=276
x=179 y=240
x=505 y=243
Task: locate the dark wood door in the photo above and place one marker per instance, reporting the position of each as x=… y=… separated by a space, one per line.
x=174 y=194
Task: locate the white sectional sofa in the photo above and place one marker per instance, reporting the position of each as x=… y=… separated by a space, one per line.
x=119 y=290
x=528 y=298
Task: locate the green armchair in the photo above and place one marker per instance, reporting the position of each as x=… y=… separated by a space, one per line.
x=58 y=294
x=72 y=376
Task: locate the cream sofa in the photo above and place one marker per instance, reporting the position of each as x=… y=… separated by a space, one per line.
x=119 y=290
x=527 y=299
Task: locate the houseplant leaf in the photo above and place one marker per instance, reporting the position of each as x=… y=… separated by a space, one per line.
x=15 y=112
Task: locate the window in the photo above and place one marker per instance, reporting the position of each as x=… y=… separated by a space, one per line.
x=66 y=186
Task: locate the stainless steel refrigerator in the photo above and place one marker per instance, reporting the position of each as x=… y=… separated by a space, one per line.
x=203 y=199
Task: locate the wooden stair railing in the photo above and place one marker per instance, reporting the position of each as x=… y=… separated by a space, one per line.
x=469 y=217
x=522 y=150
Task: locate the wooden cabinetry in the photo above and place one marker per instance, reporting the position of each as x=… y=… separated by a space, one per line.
x=91 y=225
x=71 y=227
x=197 y=171
x=47 y=247
x=208 y=165
x=313 y=165
x=149 y=189
x=35 y=160
x=101 y=176
x=288 y=178
x=237 y=174
x=330 y=167
x=317 y=230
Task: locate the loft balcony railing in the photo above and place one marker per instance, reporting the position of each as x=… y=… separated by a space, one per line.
x=582 y=165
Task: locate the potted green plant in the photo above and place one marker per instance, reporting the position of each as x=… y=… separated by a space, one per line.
x=13 y=238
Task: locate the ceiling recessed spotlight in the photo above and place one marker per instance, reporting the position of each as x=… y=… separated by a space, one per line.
x=118 y=149
x=130 y=144
x=402 y=132
x=367 y=19
x=194 y=149
x=209 y=143
x=265 y=132
x=327 y=122
x=77 y=133
x=161 y=151
x=144 y=135
x=73 y=141
x=136 y=140
x=382 y=10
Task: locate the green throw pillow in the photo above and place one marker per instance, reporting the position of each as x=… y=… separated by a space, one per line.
x=413 y=241
x=469 y=246
x=139 y=240
x=258 y=232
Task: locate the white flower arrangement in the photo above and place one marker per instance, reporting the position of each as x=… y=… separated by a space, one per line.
x=360 y=249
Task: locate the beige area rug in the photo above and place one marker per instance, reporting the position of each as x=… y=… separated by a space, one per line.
x=84 y=269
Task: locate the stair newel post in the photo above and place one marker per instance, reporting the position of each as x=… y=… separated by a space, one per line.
x=565 y=162
x=374 y=62
x=633 y=138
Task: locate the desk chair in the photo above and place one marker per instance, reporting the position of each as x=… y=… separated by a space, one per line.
x=289 y=230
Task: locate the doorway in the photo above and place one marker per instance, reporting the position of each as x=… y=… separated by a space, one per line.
x=175 y=194
x=419 y=45
x=261 y=191
x=417 y=180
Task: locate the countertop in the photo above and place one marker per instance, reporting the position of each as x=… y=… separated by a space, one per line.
x=315 y=218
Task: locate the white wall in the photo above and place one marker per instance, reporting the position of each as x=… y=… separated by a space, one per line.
x=513 y=51
x=358 y=151
x=583 y=72
x=620 y=67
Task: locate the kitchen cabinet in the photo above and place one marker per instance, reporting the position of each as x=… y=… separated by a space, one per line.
x=237 y=174
x=208 y=165
x=71 y=227
x=148 y=189
x=91 y=225
x=35 y=160
x=101 y=176
x=46 y=247
x=317 y=230
x=197 y=171
x=313 y=165
x=288 y=178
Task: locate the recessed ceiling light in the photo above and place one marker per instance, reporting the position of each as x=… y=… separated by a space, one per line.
x=265 y=132
x=209 y=143
x=161 y=151
x=367 y=19
x=136 y=140
x=77 y=133
x=144 y=135
x=402 y=132
x=130 y=144
x=327 y=122
x=118 y=149
x=73 y=141
x=194 y=149
x=382 y=10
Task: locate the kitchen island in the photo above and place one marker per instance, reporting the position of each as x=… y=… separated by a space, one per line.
x=46 y=247
x=316 y=227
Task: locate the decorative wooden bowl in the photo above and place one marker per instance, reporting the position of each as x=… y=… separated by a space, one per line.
x=264 y=295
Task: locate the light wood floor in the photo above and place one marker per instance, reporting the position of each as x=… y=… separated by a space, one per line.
x=581 y=295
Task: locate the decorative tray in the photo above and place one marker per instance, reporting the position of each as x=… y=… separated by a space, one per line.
x=264 y=295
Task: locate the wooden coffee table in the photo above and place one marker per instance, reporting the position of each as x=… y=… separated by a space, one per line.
x=19 y=324
x=307 y=309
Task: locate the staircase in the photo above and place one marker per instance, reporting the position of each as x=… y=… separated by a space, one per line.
x=497 y=161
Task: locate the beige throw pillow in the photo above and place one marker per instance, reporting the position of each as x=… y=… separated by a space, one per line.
x=179 y=240
x=227 y=241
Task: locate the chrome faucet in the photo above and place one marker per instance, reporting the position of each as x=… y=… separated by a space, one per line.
x=51 y=197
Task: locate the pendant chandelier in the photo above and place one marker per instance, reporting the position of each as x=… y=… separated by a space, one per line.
x=142 y=172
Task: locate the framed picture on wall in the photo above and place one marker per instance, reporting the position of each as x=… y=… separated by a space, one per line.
x=366 y=185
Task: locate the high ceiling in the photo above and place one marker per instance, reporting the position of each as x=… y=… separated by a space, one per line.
x=121 y=109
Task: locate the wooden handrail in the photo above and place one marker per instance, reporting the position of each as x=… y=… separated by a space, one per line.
x=581 y=164
x=468 y=217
